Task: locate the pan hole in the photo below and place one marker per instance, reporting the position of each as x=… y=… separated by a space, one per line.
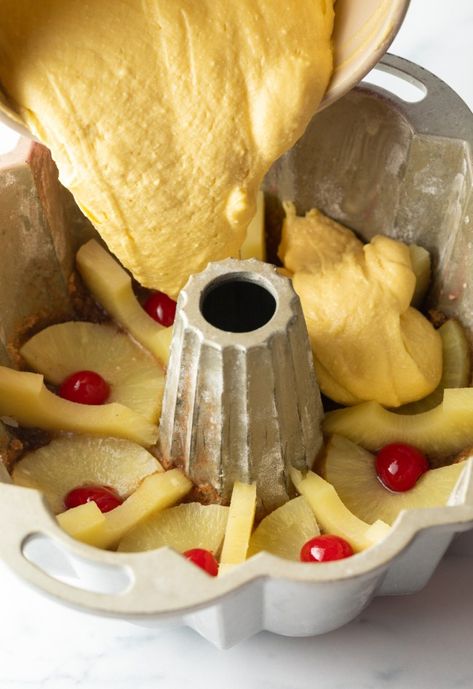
x=237 y=304
x=52 y=558
x=402 y=85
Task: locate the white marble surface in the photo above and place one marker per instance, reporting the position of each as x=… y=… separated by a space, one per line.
x=417 y=642
x=414 y=642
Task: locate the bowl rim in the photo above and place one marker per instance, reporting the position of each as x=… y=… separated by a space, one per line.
x=336 y=89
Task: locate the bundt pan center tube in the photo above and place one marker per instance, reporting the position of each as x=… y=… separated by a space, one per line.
x=241 y=401
x=375 y=163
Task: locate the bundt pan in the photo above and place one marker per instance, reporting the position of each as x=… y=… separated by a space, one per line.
x=378 y=164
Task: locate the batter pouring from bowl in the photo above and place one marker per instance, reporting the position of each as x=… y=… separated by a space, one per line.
x=163 y=117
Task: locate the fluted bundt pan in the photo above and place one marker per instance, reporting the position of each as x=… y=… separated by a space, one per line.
x=375 y=163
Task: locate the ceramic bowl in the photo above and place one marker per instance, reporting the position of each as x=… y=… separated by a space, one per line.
x=363 y=32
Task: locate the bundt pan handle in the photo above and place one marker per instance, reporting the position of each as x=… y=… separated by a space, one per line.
x=439 y=110
x=122 y=584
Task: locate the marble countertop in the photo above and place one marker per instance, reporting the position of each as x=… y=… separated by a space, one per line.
x=421 y=641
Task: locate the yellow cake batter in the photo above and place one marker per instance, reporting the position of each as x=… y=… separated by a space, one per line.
x=164 y=115
x=368 y=342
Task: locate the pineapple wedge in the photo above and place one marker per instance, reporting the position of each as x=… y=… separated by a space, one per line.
x=136 y=380
x=333 y=516
x=351 y=471
x=254 y=245
x=440 y=432
x=239 y=526
x=78 y=460
x=112 y=287
x=284 y=531
x=24 y=397
x=456 y=367
x=187 y=526
x=84 y=523
x=155 y=493
x=421 y=265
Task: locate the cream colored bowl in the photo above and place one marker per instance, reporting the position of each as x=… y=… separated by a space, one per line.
x=364 y=30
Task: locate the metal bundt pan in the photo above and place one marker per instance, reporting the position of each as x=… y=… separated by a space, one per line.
x=372 y=161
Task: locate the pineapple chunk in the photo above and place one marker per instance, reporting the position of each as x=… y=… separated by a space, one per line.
x=135 y=379
x=24 y=397
x=440 y=432
x=284 y=531
x=421 y=265
x=351 y=470
x=156 y=492
x=84 y=523
x=187 y=526
x=332 y=515
x=112 y=287
x=239 y=525
x=254 y=245
x=78 y=460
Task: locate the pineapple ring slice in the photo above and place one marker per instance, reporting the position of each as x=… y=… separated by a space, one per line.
x=135 y=378
x=439 y=432
x=351 y=470
x=112 y=287
x=187 y=526
x=76 y=460
x=284 y=531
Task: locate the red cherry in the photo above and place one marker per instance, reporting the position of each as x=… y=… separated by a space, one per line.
x=161 y=307
x=104 y=497
x=203 y=559
x=325 y=548
x=85 y=387
x=399 y=466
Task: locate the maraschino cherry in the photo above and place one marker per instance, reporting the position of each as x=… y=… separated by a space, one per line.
x=161 y=308
x=203 y=559
x=85 y=387
x=399 y=466
x=325 y=549
x=104 y=497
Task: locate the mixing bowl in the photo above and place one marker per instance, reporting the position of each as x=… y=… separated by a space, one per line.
x=364 y=30
x=372 y=161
